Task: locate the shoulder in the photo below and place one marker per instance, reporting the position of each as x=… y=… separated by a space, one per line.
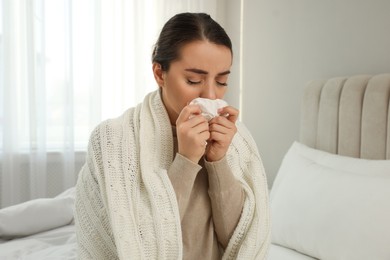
x=112 y=128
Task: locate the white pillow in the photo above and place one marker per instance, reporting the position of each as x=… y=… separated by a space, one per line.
x=37 y=215
x=330 y=206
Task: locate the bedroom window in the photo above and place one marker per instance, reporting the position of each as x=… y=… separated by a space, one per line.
x=65 y=66
x=60 y=57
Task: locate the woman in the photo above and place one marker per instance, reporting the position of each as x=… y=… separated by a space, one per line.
x=162 y=182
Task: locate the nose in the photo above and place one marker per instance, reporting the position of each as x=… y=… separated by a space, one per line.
x=209 y=91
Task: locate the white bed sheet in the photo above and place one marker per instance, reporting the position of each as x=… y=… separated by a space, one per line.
x=39 y=229
x=277 y=252
x=58 y=244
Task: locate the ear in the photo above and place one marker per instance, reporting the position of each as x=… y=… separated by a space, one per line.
x=158 y=74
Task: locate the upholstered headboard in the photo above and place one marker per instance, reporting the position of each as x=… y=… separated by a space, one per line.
x=348 y=116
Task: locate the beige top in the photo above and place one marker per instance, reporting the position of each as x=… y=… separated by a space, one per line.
x=210 y=203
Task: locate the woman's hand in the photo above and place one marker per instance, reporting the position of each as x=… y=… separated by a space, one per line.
x=192 y=133
x=222 y=130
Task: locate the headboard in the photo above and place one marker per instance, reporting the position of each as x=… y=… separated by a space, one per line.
x=348 y=116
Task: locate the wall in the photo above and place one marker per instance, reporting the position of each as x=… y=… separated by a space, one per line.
x=232 y=25
x=287 y=43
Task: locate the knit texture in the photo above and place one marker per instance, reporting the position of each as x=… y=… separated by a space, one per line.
x=126 y=207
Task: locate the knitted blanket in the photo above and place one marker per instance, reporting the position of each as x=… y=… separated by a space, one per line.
x=126 y=207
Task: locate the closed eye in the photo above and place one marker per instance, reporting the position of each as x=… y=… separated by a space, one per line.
x=191 y=82
x=222 y=83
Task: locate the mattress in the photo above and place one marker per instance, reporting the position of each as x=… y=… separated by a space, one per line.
x=59 y=243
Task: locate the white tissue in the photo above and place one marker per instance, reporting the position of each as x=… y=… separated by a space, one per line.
x=209 y=107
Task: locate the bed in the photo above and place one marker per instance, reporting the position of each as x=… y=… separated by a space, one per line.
x=39 y=229
x=330 y=199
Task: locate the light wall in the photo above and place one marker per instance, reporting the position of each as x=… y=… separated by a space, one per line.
x=232 y=24
x=287 y=43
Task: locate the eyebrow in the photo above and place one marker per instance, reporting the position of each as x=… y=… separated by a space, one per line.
x=203 y=72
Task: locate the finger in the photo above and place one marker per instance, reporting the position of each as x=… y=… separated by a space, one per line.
x=192 y=128
x=202 y=127
x=219 y=137
x=229 y=112
x=196 y=120
x=205 y=136
x=187 y=111
x=222 y=121
x=215 y=127
x=201 y=139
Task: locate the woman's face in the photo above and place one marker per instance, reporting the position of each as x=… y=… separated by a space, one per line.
x=201 y=71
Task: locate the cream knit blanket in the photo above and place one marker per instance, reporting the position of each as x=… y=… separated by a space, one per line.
x=126 y=207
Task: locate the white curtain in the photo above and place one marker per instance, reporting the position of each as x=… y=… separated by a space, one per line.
x=64 y=67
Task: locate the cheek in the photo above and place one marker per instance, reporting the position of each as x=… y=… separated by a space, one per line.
x=181 y=98
x=221 y=92
x=187 y=98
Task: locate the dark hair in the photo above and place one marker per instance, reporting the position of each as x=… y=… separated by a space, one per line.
x=185 y=28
